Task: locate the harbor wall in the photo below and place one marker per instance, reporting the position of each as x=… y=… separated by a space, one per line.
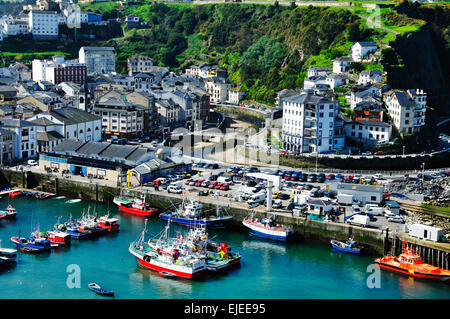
x=375 y=241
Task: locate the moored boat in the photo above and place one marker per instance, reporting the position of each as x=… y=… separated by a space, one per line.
x=266 y=228
x=59 y=238
x=136 y=207
x=7 y=256
x=411 y=264
x=99 y=290
x=190 y=213
x=109 y=223
x=15 y=194
x=349 y=247
x=36 y=243
x=10 y=212
x=163 y=255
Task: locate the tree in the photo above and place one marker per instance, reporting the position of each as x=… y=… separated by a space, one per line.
x=354 y=33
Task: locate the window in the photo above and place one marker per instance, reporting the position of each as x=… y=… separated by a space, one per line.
x=373 y=198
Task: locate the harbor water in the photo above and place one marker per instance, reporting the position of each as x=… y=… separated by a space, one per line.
x=268 y=270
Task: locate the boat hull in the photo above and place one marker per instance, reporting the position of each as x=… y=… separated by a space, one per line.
x=29 y=247
x=336 y=246
x=267 y=233
x=210 y=223
x=180 y=273
x=412 y=273
x=138 y=212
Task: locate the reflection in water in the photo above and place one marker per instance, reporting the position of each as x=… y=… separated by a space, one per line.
x=167 y=287
x=256 y=244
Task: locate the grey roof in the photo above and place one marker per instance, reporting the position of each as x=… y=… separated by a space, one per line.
x=69 y=145
x=49 y=136
x=43 y=121
x=92 y=148
x=370 y=123
x=70 y=115
x=320 y=202
x=403 y=99
x=367 y=43
x=372 y=73
x=118 y=151
x=343 y=59
x=15 y=123
x=308 y=98
x=359 y=187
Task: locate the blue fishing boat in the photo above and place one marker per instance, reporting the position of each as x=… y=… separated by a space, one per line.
x=349 y=247
x=74 y=230
x=36 y=243
x=99 y=290
x=191 y=214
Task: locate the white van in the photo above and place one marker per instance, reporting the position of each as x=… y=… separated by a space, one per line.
x=359 y=220
x=174 y=189
x=374 y=210
x=177 y=184
x=257 y=199
x=224 y=179
x=32 y=162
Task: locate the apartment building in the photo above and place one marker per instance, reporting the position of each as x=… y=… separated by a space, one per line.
x=43 y=25
x=407 y=109
x=6 y=145
x=25 y=139
x=139 y=64
x=98 y=59
x=217 y=88
x=59 y=70
x=311 y=124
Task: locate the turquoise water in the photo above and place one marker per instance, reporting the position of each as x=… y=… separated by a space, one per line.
x=268 y=269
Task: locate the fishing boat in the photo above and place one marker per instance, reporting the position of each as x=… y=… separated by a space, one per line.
x=7 y=256
x=10 y=212
x=190 y=213
x=36 y=243
x=267 y=228
x=218 y=255
x=15 y=194
x=74 y=230
x=108 y=223
x=122 y=200
x=137 y=207
x=349 y=247
x=99 y=290
x=411 y=264
x=59 y=238
x=165 y=254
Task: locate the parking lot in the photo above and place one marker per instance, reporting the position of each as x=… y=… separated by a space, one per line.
x=232 y=183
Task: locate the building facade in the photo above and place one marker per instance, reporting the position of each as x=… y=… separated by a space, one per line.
x=98 y=59
x=58 y=70
x=43 y=25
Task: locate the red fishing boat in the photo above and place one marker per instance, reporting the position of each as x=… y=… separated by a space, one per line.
x=410 y=263
x=111 y=224
x=137 y=207
x=10 y=212
x=59 y=238
x=15 y=194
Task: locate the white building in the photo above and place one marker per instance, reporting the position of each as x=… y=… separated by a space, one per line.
x=217 y=88
x=98 y=59
x=360 y=50
x=407 y=110
x=139 y=64
x=335 y=80
x=370 y=77
x=25 y=139
x=43 y=25
x=310 y=124
x=314 y=81
x=368 y=133
x=342 y=64
x=235 y=95
x=361 y=193
x=71 y=123
x=318 y=71
x=199 y=70
x=59 y=70
x=13 y=27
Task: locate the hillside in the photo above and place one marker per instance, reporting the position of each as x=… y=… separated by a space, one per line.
x=267 y=48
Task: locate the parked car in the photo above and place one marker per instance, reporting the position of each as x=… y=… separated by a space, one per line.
x=396 y=219
x=378 y=153
x=277 y=203
x=312 y=178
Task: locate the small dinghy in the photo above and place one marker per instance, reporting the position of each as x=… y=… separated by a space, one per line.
x=167 y=274
x=96 y=288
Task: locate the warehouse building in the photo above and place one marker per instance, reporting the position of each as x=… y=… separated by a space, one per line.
x=362 y=193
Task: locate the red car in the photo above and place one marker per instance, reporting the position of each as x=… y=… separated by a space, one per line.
x=218 y=186
x=212 y=184
x=199 y=182
x=225 y=187
x=378 y=153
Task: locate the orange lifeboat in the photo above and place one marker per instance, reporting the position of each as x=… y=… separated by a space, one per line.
x=410 y=263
